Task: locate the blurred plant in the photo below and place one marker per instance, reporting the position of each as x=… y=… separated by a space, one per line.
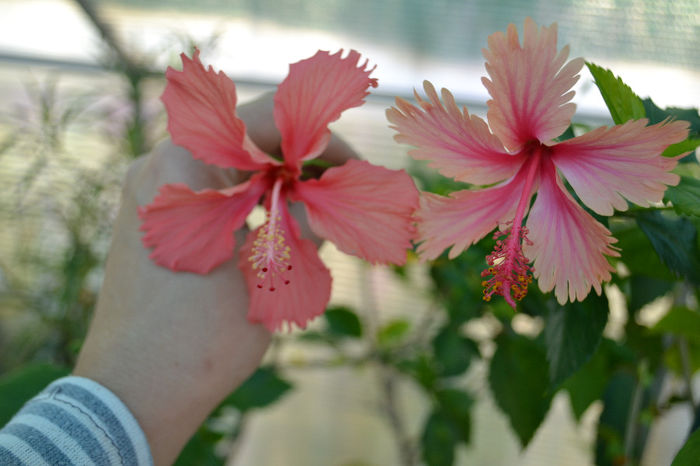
x=58 y=209
x=57 y=212
x=46 y=279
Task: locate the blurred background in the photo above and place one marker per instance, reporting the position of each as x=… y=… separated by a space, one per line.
x=79 y=98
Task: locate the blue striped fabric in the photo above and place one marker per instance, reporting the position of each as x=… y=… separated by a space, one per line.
x=66 y=421
x=8 y=458
x=74 y=421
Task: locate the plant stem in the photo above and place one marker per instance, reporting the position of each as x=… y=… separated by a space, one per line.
x=684 y=297
x=237 y=438
x=633 y=419
x=386 y=375
x=106 y=33
x=688 y=378
x=687 y=375
x=404 y=444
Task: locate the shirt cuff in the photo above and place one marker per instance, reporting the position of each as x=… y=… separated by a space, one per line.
x=75 y=421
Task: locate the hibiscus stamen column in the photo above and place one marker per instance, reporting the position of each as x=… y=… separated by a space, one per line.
x=509 y=268
x=270 y=254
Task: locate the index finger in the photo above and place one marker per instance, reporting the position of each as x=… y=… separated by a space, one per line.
x=258 y=116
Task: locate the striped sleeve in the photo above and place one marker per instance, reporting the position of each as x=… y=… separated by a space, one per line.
x=74 y=421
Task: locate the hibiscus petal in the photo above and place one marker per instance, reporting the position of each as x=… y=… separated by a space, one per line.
x=529 y=85
x=466 y=216
x=314 y=94
x=297 y=301
x=568 y=245
x=201 y=107
x=364 y=209
x=193 y=231
x=458 y=145
x=606 y=164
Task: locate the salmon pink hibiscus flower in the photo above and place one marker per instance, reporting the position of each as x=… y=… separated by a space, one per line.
x=364 y=209
x=516 y=155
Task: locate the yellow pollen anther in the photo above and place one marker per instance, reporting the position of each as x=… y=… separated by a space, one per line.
x=270 y=254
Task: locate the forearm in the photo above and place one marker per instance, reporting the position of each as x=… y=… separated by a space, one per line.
x=172 y=347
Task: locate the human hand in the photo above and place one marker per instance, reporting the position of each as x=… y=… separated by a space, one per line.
x=173 y=345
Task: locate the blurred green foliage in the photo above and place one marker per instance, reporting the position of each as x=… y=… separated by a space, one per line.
x=20 y=385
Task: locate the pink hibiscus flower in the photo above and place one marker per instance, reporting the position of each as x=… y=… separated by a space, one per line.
x=530 y=86
x=364 y=209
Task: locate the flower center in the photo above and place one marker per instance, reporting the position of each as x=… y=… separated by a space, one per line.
x=270 y=255
x=508 y=267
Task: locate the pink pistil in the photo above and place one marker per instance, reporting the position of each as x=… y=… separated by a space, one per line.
x=508 y=267
x=271 y=254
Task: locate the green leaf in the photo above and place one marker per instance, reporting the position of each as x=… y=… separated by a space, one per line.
x=643 y=290
x=537 y=304
x=675 y=242
x=422 y=368
x=675 y=361
x=343 y=322
x=680 y=321
x=393 y=332
x=261 y=389
x=638 y=254
x=657 y=115
x=588 y=383
x=317 y=162
x=686 y=146
x=622 y=103
x=568 y=134
x=685 y=196
x=519 y=378
x=613 y=420
x=646 y=345
x=312 y=336
x=18 y=386
x=200 y=450
x=572 y=334
x=453 y=352
x=689 y=454
x=456 y=406
x=458 y=282
x=439 y=440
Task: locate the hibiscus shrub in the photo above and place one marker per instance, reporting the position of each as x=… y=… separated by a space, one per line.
x=573 y=352
x=559 y=200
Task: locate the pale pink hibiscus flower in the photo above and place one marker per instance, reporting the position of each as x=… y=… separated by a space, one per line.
x=516 y=155
x=364 y=209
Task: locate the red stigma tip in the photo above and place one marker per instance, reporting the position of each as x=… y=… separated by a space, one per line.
x=259 y=285
x=264 y=269
x=272 y=288
x=286 y=282
x=289 y=267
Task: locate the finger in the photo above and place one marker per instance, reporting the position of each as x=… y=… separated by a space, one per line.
x=258 y=116
x=338 y=151
x=168 y=163
x=298 y=210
